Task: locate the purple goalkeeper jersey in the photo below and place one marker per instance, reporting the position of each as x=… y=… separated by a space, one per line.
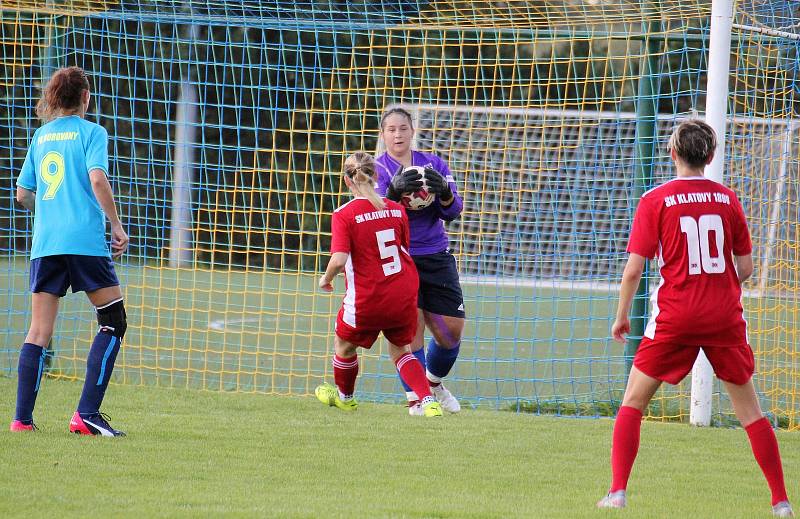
x=427 y=227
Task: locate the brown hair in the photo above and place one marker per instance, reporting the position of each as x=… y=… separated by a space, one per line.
x=397 y=110
x=360 y=168
x=694 y=141
x=63 y=94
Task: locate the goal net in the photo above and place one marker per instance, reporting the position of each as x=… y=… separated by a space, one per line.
x=229 y=122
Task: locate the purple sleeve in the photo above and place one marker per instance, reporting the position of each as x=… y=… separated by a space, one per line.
x=384 y=175
x=452 y=211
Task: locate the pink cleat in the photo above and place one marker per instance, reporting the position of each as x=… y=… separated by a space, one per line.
x=18 y=426
x=94 y=425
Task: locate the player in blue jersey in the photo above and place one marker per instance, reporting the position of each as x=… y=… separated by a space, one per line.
x=440 y=301
x=63 y=181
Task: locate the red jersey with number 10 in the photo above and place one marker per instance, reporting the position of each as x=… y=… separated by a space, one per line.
x=694 y=226
x=380 y=276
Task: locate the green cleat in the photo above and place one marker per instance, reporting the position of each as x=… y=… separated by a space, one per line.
x=329 y=395
x=431 y=409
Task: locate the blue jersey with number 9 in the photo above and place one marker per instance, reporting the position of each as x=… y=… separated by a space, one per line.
x=68 y=219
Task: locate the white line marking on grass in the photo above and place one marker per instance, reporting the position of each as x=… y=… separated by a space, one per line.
x=599 y=286
x=223 y=324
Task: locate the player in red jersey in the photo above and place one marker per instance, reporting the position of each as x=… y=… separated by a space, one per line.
x=697 y=230
x=370 y=240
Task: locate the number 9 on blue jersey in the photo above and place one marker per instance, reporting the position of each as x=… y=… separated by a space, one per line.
x=52 y=173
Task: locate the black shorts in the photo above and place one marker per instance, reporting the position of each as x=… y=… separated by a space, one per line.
x=439 y=287
x=54 y=274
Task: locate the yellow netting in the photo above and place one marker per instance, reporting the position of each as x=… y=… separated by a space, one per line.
x=540 y=109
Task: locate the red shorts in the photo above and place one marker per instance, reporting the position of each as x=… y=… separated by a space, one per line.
x=399 y=334
x=670 y=362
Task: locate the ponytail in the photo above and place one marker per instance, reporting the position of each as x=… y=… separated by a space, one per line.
x=63 y=94
x=366 y=186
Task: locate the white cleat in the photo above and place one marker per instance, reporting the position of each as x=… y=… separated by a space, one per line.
x=783 y=509
x=613 y=500
x=415 y=408
x=446 y=399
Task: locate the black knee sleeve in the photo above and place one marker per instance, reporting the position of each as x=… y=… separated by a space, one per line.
x=113 y=319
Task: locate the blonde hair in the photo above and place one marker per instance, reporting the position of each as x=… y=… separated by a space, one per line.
x=360 y=168
x=694 y=141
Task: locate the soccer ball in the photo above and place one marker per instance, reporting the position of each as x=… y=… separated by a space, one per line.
x=421 y=198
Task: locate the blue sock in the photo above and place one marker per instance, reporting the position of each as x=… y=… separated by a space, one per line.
x=440 y=359
x=99 y=366
x=29 y=371
x=420 y=355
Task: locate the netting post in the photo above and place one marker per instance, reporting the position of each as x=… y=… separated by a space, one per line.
x=775 y=210
x=719 y=56
x=646 y=140
x=416 y=113
x=180 y=240
x=50 y=59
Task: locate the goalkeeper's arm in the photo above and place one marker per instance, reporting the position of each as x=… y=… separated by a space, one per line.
x=450 y=204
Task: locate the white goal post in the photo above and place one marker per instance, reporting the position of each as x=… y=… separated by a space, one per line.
x=719 y=55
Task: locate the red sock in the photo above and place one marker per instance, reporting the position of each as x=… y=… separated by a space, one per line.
x=768 y=456
x=624 y=446
x=413 y=374
x=345 y=372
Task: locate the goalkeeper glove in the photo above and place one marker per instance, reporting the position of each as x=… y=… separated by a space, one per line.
x=438 y=185
x=408 y=181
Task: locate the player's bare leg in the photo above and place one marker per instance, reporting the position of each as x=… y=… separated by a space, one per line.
x=763 y=442
x=639 y=390
x=442 y=353
x=625 y=442
x=44 y=309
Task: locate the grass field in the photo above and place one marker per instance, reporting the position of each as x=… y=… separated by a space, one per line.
x=543 y=347
x=198 y=453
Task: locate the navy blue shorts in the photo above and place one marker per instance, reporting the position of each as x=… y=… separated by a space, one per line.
x=439 y=286
x=54 y=274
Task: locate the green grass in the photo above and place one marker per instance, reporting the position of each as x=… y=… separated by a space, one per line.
x=198 y=453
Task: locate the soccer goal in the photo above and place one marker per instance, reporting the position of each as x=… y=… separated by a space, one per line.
x=229 y=121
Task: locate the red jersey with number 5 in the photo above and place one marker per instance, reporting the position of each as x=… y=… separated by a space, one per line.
x=694 y=226
x=380 y=277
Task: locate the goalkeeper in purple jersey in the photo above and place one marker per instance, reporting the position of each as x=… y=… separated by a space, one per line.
x=440 y=301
